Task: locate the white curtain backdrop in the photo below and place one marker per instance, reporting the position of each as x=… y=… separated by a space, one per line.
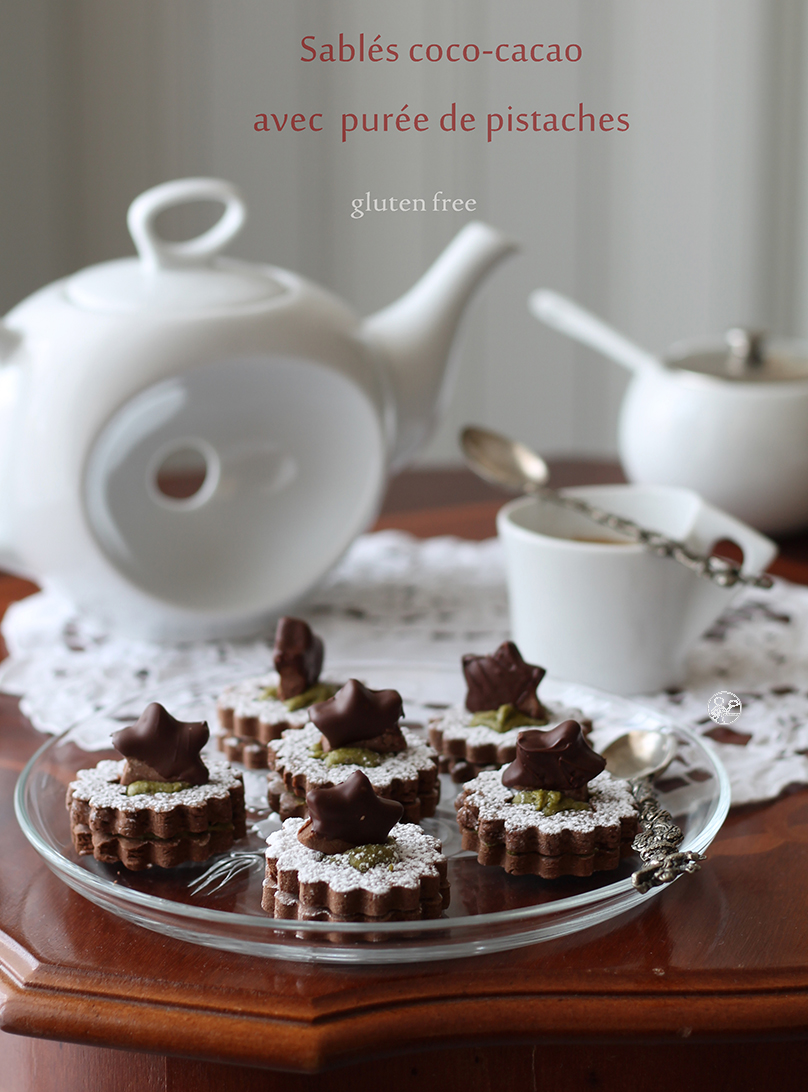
x=692 y=221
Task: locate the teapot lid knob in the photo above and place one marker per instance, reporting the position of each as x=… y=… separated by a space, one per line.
x=159 y=253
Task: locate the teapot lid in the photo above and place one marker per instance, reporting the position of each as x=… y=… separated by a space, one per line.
x=171 y=276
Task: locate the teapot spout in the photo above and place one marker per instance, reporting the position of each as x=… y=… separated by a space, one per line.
x=414 y=335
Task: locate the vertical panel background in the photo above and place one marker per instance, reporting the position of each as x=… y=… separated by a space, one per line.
x=692 y=221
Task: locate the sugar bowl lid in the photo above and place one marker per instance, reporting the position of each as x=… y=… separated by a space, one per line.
x=747 y=356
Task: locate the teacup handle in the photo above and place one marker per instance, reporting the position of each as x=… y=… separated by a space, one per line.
x=712 y=524
x=158 y=253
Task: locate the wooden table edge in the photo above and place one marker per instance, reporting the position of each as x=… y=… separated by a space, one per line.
x=310 y=1046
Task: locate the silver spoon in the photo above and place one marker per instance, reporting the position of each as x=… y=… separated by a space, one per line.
x=506 y=462
x=570 y=318
x=639 y=754
x=638 y=757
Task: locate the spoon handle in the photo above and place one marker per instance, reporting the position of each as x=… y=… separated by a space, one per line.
x=658 y=842
x=718 y=569
x=573 y=320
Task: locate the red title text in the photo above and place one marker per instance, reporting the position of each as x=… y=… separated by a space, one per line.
x=364 y=48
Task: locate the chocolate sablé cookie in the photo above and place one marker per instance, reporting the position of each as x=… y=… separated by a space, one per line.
x=501 y=700
x=254 y=711
x=353 y=860
x=358 y=728
x=162 y=805
x=553 y=811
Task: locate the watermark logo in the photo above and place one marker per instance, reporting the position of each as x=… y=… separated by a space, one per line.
x=724 y=707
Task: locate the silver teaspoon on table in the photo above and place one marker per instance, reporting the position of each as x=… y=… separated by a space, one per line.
x=512 y=464
x=638 y=757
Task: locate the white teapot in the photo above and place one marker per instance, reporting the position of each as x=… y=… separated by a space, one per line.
x=292 y=410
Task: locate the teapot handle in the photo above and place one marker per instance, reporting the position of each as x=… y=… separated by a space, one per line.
x=158 y=253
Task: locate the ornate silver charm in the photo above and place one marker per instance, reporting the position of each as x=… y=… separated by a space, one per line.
x=658 y=842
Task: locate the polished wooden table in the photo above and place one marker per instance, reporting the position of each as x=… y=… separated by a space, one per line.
x=704 y=987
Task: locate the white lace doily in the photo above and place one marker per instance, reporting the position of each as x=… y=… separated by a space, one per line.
x=394 y=597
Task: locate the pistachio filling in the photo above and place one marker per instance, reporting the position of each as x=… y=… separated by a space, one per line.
x=504 y=718
x=363 y=858
x=319 y=692
x=140 y=788
x=345 y=756
x=548 y=801
x=352 y=756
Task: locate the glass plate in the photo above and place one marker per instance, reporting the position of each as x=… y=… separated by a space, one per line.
x=490 y=911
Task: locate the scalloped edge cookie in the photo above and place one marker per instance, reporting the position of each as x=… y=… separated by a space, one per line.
x=163 y=829
x=524 y=842
x=305 y=885
x=244 y=714
x=464 y=750
x=410 y=776
x=251 y=753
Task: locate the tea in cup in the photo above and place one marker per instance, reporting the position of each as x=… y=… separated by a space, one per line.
x=592 y=607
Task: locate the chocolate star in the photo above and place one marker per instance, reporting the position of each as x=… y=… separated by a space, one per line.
x=297 y=656
x=360 y=717
x=348 y=815
x=559 y=759
x=503 y=678
x=160 y=748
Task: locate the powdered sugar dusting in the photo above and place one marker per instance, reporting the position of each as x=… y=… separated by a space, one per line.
x=293 y=753
x=245 y=699
x=610 y=800
x=101 y=788
x=418 y=854
x=455 y=724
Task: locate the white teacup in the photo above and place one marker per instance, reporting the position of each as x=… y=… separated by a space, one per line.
x=594 y=609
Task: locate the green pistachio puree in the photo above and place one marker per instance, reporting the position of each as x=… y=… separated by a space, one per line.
x=549 y=802
x=363 y=858
x=352 y=756
x=346 y=756
x=140 y=788
x=504 y=718
x=319 y=692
